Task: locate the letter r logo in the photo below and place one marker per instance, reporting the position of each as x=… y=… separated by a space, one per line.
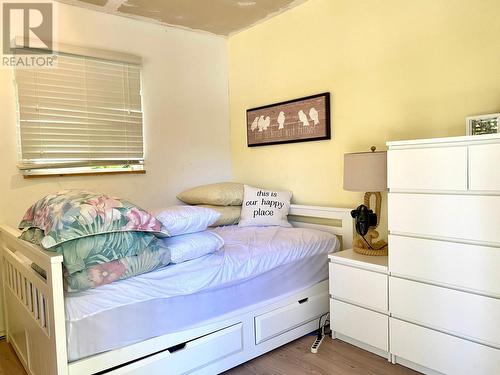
x=32 y=22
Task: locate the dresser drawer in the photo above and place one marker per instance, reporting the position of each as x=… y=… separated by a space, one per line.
x=484 y=173
x=459 y=313
x=453 y=264
x=360 y=324
x=358 y=286
x=428 y=169
x=440 y=352
x=467 y=217
x=285 y=318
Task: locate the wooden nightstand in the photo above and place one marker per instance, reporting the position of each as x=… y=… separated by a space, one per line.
x=359 y=300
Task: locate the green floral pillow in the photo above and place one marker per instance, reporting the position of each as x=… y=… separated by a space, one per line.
x=72 y=214
x=85 y=252
x=119 y=269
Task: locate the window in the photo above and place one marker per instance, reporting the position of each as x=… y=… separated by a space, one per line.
x=84 y=115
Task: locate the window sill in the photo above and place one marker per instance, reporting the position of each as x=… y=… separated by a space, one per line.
x=62 y=172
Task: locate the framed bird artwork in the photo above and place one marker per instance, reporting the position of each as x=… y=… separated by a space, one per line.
x=298 y=120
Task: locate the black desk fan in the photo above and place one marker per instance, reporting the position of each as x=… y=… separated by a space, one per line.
x=364 y=218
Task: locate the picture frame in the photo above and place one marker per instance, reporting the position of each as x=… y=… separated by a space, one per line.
x=298 y=120
x=483 y=124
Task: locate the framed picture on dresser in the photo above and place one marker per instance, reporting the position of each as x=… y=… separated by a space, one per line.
x=483 y=124
x=298 y=120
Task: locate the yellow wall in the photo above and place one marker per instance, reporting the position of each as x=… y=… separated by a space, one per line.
x=397 y=69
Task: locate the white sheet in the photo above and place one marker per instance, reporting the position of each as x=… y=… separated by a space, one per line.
x=172 y=299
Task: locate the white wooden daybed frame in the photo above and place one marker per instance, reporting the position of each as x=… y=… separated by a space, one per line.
x=35 y=320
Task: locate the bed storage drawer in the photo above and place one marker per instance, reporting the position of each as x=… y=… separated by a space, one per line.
x=469 y=267
x=463 y=314
x=285 y=318
x=428 y=169
x=466 y=217
x=440 y=352
x=371 y=292
x=360 y=324
x=189 y=357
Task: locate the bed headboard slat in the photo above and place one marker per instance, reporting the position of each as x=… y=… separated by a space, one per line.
x=343 y=215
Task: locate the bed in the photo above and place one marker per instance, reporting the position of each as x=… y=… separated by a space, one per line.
x=203 y=316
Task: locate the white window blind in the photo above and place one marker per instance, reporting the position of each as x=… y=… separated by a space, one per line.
x=86 y=113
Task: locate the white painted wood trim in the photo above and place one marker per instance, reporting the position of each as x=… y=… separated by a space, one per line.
x=18 y=43
x=359 y=344
x=361 y=265
x=36 y=303
x=414 y=366
x=345 y=230
x=350 y=258
x=444 y=192
x=444 y=142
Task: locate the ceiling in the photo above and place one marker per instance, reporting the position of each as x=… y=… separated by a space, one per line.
x=221 y=17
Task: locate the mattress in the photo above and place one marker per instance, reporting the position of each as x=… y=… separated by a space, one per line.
x=255 y=264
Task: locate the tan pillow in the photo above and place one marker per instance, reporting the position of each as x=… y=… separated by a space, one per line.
x=220 y=194
x=230 y=215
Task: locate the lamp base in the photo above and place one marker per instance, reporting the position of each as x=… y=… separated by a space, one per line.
x=372 y=252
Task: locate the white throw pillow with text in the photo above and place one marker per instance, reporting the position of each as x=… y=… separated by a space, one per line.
x=263 y=207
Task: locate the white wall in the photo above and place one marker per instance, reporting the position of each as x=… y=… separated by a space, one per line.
x=185 y=102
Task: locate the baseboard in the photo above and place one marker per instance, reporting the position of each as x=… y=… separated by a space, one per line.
x=362 y=345
x=414 y=366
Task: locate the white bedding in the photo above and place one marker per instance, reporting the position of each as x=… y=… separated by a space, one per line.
x=170 y=299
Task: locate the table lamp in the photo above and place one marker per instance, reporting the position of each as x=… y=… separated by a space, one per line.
x=367 y=171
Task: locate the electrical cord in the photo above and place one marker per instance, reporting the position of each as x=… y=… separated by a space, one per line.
x=320 y=333
x=326 y=331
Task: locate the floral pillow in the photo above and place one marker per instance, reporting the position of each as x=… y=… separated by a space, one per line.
x=81 y=253
x=72 y=214
x=119 y=269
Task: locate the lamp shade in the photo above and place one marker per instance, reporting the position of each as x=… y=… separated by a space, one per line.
x=365 y=171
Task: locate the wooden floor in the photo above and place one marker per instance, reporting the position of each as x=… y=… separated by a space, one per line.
x=9 y=364
x=334 y=358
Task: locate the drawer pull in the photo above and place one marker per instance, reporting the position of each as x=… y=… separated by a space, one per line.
x=176 y=348
x=303 y=300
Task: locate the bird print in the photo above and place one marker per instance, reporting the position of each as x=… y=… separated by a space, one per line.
x=313 y=114
x=260 y=123
x=303 y=118
x=254 y=124
x=281 y=120
x=267 y=122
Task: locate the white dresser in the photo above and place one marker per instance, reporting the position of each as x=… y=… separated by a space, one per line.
x=444 y=254
x=358 y=300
